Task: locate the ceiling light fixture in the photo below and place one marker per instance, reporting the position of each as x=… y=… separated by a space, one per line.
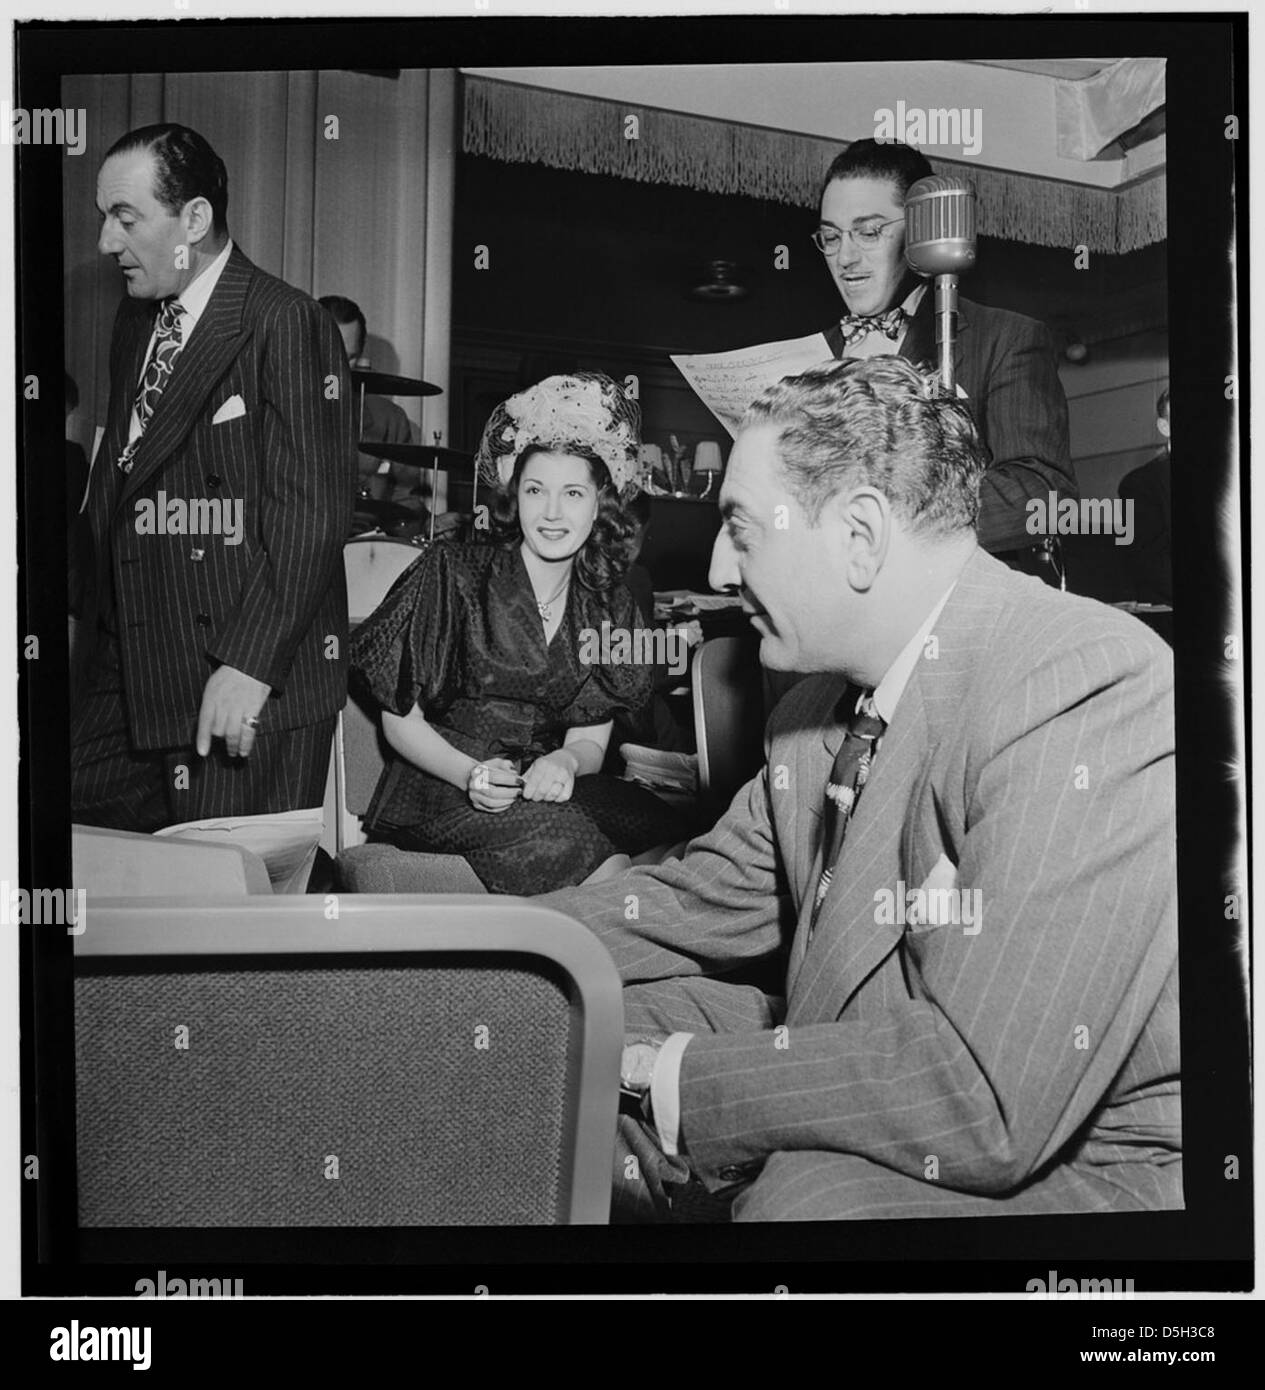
x=722 y=283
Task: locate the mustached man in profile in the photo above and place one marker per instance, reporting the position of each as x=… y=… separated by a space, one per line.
x=969 y=730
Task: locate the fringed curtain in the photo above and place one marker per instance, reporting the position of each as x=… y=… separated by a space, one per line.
x=530 y=125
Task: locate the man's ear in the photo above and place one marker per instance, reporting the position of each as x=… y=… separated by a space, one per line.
x=1162 y=425
x=863 y=521
x=198 y=220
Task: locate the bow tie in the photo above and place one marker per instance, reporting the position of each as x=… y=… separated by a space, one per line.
x=858 y=326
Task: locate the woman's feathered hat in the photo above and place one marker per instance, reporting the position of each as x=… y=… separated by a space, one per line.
x=580 y=410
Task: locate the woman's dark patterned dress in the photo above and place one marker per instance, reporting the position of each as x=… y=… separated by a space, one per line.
x=459 y=636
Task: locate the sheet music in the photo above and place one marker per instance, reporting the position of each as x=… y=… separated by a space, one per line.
x=286 y=841
x=727 y=382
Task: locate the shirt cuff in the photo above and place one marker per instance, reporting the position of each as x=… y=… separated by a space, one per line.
x=665 y=1092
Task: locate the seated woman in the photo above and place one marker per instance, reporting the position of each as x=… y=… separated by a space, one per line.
x=492 y=700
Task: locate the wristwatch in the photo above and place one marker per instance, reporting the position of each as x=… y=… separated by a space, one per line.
x=637 y=1071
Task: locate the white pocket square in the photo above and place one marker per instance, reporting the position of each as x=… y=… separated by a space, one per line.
x=942 y=878
x=230 y=410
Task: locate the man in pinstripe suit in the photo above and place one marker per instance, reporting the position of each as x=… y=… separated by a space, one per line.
x=217 y=506
x=1005 y=1045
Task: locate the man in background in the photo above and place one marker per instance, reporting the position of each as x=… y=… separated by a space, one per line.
x=1004 y=362
x=382 y=421
x=218 y=504
x=1149 y=488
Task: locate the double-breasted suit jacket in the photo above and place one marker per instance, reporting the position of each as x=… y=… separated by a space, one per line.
x=274 y=604
x=1006 y=364
x=1025 y=1063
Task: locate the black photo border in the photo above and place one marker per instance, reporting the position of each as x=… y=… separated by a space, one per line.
x=1206 y=1247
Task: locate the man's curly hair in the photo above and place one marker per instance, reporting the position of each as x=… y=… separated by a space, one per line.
x=878 y=422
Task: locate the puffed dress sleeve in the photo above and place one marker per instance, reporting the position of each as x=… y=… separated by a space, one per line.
x=614 y=687
x=404 y=653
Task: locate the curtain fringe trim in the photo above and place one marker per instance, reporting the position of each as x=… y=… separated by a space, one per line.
x=530 y=125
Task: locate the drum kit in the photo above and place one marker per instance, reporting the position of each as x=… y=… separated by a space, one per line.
x=404 y=517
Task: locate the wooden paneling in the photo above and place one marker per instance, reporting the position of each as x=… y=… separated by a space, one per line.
x=1111 y=409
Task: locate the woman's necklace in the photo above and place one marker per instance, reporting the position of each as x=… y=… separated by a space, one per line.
x=545 y=609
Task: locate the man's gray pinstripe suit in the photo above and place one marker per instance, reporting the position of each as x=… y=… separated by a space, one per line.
x=925 y=1071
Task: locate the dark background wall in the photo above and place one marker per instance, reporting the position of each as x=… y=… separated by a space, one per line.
x=588 y=271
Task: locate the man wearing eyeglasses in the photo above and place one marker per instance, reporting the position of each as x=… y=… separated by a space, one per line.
x=1004 y=362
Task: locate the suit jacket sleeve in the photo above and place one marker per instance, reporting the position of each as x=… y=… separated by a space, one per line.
x=1010 y=1038
x=307 y=491
x=1025 y=422
x=725 y=903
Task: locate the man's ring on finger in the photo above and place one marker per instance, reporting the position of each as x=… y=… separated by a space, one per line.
x=250 y=721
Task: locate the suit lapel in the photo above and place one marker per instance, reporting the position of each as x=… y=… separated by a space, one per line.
x=849 y=942
x=883 y=841
x=214 y=343
x=813 y=746
x=133 y=330
x=141 y=330
x=919 y=345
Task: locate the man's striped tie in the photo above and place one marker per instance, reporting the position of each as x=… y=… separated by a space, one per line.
x=167 y=345
x=847 y=777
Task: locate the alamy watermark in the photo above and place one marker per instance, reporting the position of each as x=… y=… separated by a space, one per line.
x=1054 y=1287
x=930 y=907
x=88 y=1343
x=638 y=646
x=60 y=125
x=193 y=516
x=913 y=125
x=44 y=907
x=163 y=1287
x=1086 y=516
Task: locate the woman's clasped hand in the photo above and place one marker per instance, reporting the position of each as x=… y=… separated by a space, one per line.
x=495 y=784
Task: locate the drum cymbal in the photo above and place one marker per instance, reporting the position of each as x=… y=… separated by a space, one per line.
x=418 y=455
x=384 y=384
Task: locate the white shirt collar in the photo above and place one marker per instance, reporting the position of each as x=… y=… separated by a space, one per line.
x=914 y=298
x=888 y=691
x=196 y=294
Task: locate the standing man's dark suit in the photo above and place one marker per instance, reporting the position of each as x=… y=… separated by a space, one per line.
x=1006 y=364
x=256 y=415
x=1150 y=489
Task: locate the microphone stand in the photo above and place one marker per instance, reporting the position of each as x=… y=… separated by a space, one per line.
x=946 y=328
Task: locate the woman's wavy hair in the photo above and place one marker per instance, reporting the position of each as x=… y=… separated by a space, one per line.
x=604 y=558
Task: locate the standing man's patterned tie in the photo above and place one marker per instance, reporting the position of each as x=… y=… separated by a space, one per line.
x=858 y=326
x=167 y=345
x=847 y=777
